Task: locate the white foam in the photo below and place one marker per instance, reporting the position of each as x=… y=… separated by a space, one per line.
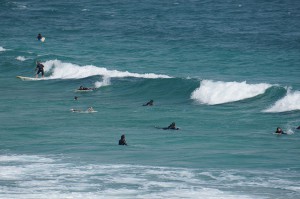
x=2 y=49
x=290 y=102
x=61 y=70
x=218 y=92
x=20 y=58
x=50 y=178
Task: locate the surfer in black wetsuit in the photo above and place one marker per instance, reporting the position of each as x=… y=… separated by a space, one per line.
x=298 y=127
x=39 y=37
x=150 y=103
x=122 y=141
x=40 y=69
x=279 y=131
x=171 y=127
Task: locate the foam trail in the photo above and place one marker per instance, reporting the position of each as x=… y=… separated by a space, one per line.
x=290 y=102
x=105 y=82
x=21 y=58
x=61 y=70
x=218 y=92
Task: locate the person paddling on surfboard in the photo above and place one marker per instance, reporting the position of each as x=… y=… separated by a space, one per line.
x=150 y=103
x=279 y=131
x=171 y=127
x=81 y=88
x=40 y=69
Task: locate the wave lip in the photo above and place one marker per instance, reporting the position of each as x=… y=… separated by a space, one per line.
x=218 y=92
x=289 y=102
x=61 y=70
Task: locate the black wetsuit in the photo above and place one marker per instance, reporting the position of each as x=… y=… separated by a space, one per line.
x=122 y=142
x=280 y=132
x=40 y=68
x=39 y=37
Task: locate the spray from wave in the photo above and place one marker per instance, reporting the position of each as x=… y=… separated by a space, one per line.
x=290 y=102
x=218 y=92
x=21 y=58
x=2 y=49
x=61 y=70
x=105 y=82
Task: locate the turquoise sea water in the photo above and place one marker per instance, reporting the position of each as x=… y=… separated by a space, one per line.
x=227 y=73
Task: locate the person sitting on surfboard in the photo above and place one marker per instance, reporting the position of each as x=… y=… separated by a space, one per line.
x=279 y=131
x=40 y=69
x=122 y=141
x=39 y=37
x=150 y=103
x=171 y=126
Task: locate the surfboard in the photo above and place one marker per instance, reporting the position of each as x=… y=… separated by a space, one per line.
x=43 y=39
x=28 y=78
x=80 y=111
x=88 y=90
x=165 y=128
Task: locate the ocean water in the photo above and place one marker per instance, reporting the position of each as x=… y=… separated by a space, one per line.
x=226 y=72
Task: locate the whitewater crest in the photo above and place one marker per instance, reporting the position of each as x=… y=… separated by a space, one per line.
x=61 y=70
x=289 y=102
x=219 y=92
x=2 y=49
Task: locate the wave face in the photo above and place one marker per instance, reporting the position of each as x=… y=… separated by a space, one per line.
x=290 y=102
x=218 y=92
x=62 y=70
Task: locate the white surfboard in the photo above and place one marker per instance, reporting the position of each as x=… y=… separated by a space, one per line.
x=43 y=39
x=80 y=111
x=89 y=90
x=29 y=78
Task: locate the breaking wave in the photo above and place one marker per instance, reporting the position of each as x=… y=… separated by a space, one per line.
x=61 y=70
x=289 y=102
x=218 y=92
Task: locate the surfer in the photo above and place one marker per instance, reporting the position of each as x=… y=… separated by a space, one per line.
x=122 y=141
x=39 y=37
x=298 y=127
x=75 y=98
x=279 y=131
x=81 y=88
x=150 y=103
x=40 y=69
x=172 y=126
